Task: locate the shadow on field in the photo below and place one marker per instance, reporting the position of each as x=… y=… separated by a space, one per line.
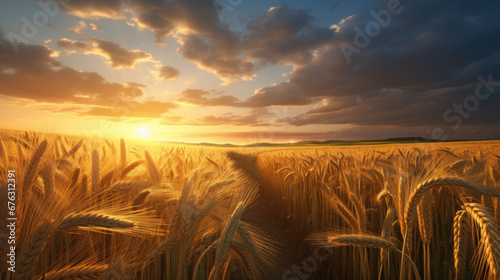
x=293 y=252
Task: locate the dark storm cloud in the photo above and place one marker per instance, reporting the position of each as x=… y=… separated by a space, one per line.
x=285 y=36
x=34 y=74
x=427 y=59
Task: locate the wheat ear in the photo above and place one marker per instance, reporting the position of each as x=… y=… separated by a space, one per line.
x=75 y=148
x=130 y=167
x=34 y=165
x=31 y=252
x=94 y=220
x=227 y=237
x=153 y=170
x=489 y=235
x=421 y=190
x=424 y=215
x=386 y=230
x=369 y=241
x=460 y=240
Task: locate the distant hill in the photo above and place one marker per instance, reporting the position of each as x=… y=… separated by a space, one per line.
x=396 y=140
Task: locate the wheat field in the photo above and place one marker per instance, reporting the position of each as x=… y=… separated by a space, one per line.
x=121 y=209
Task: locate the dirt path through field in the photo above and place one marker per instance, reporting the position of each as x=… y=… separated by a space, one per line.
x=266 y=219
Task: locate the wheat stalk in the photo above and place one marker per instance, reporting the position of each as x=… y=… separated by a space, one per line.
x=82 y=272
x=123 y=152
x=96 y=171
x=386 y=229
x=3 y=153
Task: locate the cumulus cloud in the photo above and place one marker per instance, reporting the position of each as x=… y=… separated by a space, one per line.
x=34 y=74
x=93 y=9
x=168 y=73
x=281 y=36
x=118 y=56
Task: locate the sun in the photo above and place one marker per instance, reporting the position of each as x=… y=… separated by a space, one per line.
x=143 y=131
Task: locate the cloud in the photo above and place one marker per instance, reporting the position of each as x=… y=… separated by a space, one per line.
x=118 y=57
x=427 y=59
x=281 y=36
x=79 y=28
x=285 y=36
x=132 y=109
x=66 y=43
x=95 y=27
x=34 y=74
x=171 y=119
x=199 y=97
x=93 y=9
x=260 y=99
x=168 y=73
x=256 y=117
x=195 y=24
x=420 y=65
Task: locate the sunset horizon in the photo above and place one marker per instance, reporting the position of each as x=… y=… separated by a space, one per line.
x=249 y=139
x=242 y=72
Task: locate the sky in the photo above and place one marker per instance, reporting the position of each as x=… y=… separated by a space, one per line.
x=241 y=71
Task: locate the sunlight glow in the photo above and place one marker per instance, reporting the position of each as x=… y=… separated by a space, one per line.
x=143 y=131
